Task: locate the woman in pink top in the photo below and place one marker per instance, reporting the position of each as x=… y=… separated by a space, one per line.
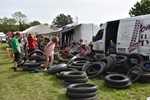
x=49 y=52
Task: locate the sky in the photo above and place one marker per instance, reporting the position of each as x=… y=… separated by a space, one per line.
x=87 y=11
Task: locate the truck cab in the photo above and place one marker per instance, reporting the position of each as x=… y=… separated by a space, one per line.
x=130 y=35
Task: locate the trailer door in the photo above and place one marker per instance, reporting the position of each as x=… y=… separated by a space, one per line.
x=128 y=36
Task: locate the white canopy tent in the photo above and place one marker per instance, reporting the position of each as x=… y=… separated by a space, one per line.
x=38 y=29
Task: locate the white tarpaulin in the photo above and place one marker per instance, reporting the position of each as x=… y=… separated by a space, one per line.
x=38 y=29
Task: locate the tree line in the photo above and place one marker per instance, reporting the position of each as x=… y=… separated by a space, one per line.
x=18 y=22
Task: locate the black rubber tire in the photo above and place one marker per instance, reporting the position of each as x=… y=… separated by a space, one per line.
x=93 y=70
x=84 y=80
x=85 y=65
x=36 y=51
x=59 y=74
x=65 y=83
x=20 y=63
x=144 y=75
x=74 y=75
x=71 y=60
x=137 y=77
x=56 y=68
x=127 y=65
x=79 y=95
x=136 y=56
x=31 y=64
x=114 y=62
x=96 y=97
x=98 y=64
x=118 y=86
x=117 y=79
x=120 y=58
x=79 y=68
x=142 y=65
x=107 y=61
x=82 y=88
x=79 y=63
x=30 y=68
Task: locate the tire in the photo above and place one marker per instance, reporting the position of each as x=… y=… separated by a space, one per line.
x=84 y=80
x=98 y=64
x=79 y=95
x=56 y=68
x=114 y=62
x=20 y=63
x=127 y=65
x=30 y=68
x=59 y=74
x=117 y=79
x=82 y=88
x=86 y=64
x=96 y=97
x=65 y=83
x=107 y=61
x=36 y=51
x=137 y=77
x=71 y=60
x=144 y=75
x=142 y=65
x=79 y=63
x=136 y=56
x=118 y=86
x=31 y=64
x=74 y=75
x=120 y=58
x=79 y=68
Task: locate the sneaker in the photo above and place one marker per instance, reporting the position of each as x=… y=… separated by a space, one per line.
x=45 y=69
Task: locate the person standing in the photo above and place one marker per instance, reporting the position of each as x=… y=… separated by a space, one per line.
x=49 y=52
x=16 y=49
x=31 y=43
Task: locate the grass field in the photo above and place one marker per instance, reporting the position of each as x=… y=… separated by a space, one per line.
x=42 y=86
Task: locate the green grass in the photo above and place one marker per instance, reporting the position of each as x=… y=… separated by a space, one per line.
x=42 y=86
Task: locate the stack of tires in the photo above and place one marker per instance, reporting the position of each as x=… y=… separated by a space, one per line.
x=132 y=60
x=31 y=66
x=119 y=64
x=117 y=81
x=71 y=77
x=59 y=74
x=37 y=56
x=141 y=72
x=94 y=69
x=77 y=63
x=82 y=91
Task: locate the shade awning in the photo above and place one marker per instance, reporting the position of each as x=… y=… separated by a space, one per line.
x=65 y=29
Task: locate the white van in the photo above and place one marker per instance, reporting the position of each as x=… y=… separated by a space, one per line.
x=131 y=35
x=2 y=37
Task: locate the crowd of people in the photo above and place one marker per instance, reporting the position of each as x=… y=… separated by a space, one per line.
x=51 y=48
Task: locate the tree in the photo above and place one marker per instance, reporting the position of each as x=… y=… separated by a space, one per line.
x=140 y=8
x=62 y=20
x=20 y=18
x=46 y=24
x=7 y=24
x=34 y=23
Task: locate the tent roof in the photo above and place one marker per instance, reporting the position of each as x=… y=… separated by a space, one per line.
x=64 y=29
x=38 y=29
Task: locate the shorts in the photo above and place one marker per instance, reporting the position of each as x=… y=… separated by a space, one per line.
x=16 y=56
